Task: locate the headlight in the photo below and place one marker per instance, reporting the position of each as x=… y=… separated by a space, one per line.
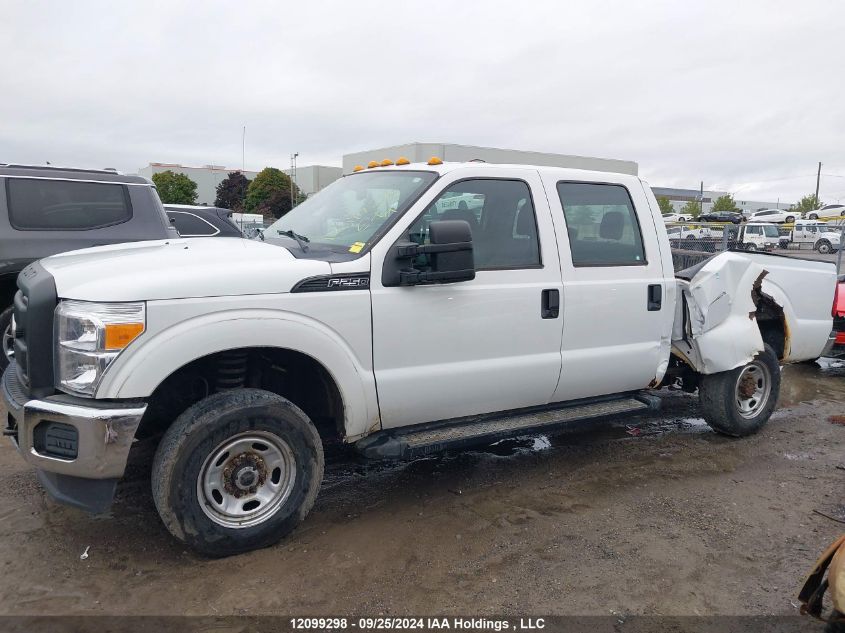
x=88 y=337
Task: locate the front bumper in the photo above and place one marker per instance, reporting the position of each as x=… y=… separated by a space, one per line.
x=79 y=446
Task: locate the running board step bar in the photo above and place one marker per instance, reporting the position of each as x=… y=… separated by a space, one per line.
x=434 y=438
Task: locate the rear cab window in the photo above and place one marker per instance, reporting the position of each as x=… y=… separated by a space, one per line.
x=65 y=205
x=602 y=225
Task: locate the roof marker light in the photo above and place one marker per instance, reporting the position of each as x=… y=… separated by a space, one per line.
x=372 y=163
x=358 y=168
x=402 y=161
x=386 y=162
x=434 y=161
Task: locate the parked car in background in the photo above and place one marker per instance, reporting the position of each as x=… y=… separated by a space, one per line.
x=754 y=236
x=734 y=217
x=813 y=234
x=46 y=210
x=838 y=349
x=199 y=221
x=676 y=217
x=778 y=216
x=827 y=211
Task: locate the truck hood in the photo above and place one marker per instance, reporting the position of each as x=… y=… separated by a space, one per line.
x=178 y=269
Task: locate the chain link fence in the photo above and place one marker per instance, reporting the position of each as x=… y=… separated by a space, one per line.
x=693 y=242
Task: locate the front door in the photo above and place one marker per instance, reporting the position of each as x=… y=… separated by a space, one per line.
x=449 y=350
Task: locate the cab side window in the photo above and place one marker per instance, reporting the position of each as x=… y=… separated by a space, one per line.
x=602 y=225
x=501 y=217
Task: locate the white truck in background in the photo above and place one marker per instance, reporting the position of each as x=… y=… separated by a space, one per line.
x=371 y=317
x=814 y=234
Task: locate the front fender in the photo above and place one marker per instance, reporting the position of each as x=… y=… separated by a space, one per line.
x=145 y=364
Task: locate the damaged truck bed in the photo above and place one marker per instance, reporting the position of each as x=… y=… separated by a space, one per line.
x=733 y=304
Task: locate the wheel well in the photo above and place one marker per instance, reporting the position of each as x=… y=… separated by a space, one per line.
x=771 y=321
x=288 y=373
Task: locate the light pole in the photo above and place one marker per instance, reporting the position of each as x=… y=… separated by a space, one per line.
x=293 y=179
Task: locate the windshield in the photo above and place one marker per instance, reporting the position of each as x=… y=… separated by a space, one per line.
x=771 y=231
x=347 y=214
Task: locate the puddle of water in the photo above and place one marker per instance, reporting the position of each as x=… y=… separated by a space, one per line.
x=823 y=380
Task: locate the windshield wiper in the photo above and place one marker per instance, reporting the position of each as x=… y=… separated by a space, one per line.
x=300 y=239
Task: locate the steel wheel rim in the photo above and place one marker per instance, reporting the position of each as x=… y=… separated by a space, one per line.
x=245 y=479
x=752 y=390
x=8 y=343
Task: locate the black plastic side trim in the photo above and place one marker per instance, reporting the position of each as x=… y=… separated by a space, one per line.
x=332 y=283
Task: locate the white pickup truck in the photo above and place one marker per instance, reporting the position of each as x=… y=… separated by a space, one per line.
x=374 y=316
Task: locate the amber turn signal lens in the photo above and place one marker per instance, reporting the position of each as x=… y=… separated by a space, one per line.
x=434 y=161
x=403 y=161
x=386 y=162
x=119 y=335
x=372 y=163
x=358 y=168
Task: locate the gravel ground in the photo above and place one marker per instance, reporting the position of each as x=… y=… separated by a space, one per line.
x=649 y=514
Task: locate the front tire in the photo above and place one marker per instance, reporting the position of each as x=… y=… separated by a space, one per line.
x=739 y=402
x=7 y=352
x=790 y=219
x=237 y=471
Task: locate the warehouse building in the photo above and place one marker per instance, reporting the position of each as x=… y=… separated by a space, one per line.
x=679 y=197
x=309 y=179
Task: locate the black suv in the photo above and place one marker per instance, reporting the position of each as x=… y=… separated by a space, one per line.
x=722 y=216
x=49 y=210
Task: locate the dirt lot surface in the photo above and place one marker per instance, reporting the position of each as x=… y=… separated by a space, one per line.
x=651 y=514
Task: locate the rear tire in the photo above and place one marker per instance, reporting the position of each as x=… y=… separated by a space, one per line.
x=237 y=471
x=824 y=247
x=790 y=219
x=7 y=352
x=739 y=402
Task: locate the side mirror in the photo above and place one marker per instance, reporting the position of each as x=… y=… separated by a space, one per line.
x=450 y=257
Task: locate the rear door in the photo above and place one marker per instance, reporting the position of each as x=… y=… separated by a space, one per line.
x=616 y=313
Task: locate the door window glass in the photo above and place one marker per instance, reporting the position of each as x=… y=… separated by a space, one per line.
x=602 y=225
x=501 y=217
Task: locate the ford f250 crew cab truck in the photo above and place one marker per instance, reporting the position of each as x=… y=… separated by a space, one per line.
x=374 y=315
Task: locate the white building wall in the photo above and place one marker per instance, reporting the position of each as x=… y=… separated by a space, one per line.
x=421 y=152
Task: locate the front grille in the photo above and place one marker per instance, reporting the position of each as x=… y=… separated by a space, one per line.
x=35 y=303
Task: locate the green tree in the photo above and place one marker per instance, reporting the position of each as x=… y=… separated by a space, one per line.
x=725 y=203
x=692 y=209
x=231 y=192
x=175 y=188
x=808 y=203
x=269 y=193
x=665 y=205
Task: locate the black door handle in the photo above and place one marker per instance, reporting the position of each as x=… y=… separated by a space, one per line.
x=550 y=304
x=655 y=297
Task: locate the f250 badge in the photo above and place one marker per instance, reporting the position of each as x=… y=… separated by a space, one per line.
x=348 y=282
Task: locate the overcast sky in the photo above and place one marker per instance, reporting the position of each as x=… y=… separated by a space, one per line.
x=746 y=96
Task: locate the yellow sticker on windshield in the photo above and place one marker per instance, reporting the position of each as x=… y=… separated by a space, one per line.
x=357 y=247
